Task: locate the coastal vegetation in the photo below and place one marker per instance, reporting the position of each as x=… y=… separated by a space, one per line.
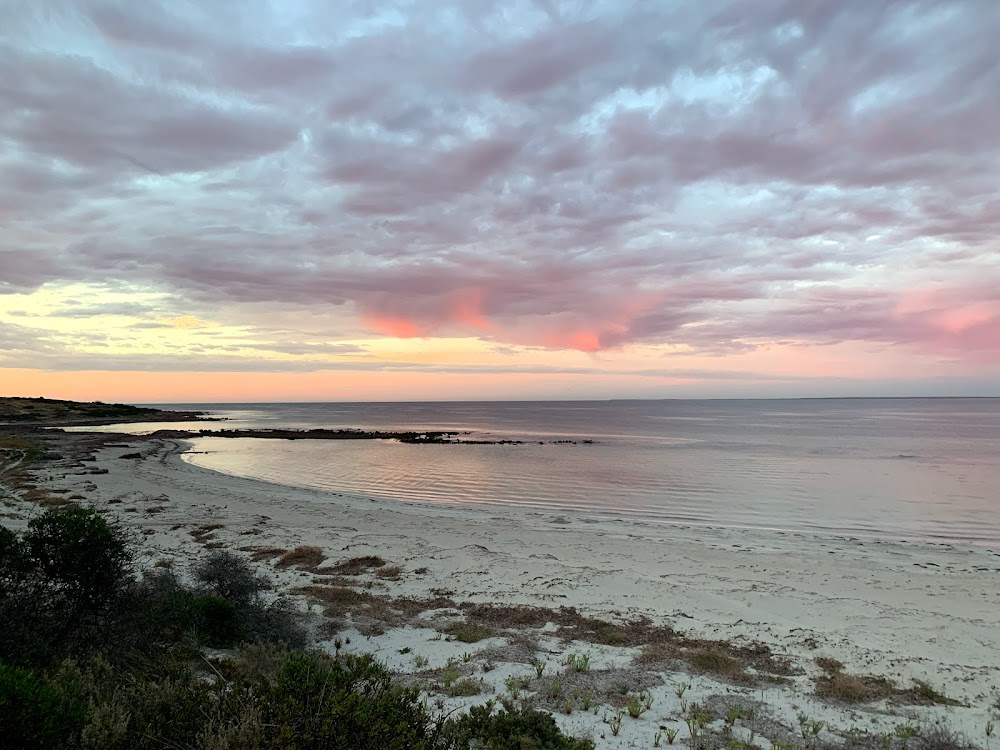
x=94 y=655
x=14 y=410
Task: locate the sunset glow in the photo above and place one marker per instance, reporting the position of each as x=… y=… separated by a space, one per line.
x=348 y=201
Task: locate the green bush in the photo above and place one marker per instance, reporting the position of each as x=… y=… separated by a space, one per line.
x=348 y=702
x=526 y=729
x=36 y=714
x=216 y=621
x=79 y=556
x=62 y=586
x=13 y=561
x=231 y=577
x=269 y=698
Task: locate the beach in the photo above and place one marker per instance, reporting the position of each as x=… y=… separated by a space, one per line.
x=904 y=611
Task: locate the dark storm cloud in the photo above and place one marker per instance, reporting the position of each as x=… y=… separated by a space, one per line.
x=716 y=175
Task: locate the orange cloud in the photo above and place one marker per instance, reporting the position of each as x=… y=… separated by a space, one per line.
x=395 y=326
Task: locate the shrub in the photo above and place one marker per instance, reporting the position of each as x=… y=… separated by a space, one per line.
x=13 y=560
x=276 y=622
x=348 y=702
x=36 y=714
x=80 y=557
x=526 y=729
x=216 y=620
x=231 y=577
x=63 y=585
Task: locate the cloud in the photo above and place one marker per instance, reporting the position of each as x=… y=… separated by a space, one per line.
x=714 y=177
x=125 y=309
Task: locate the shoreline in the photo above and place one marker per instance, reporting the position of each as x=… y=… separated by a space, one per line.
x=816 y=535
x=904 y=610
x=607 y=516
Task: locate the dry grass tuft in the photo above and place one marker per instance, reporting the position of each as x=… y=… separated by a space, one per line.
x=924 y=694
x=940 y=737
x=263 y=553
x=718 y=662
x=389 y=573
x=341 y=601
x=656 y=653
x=355 y=566
x=303 y=558
x=850 y=688
x=203 y=533
x=828 y=664
x=51 y=501
x=469 y=632
x=45 y=498
x=465 y=687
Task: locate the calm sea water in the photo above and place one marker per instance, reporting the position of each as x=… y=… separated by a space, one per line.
x=896 y=468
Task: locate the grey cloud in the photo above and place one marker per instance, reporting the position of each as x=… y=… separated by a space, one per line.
x=20 y=344
x=551 y=174
x=132 y=309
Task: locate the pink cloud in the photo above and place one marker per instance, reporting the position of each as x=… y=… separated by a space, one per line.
x=395 y=326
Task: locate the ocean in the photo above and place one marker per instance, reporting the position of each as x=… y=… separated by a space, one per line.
x=913 y=469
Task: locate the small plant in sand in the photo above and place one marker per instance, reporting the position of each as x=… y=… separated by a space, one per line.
x=587 y=699
x=615 y=722
x=696 y=720
x=577 y=662
x=539 y=665
x=420 y=662
x=733 y=714
x=554 y=689
x=448 y=676
x=634 y=706
x=693 y=730
x=989 y=733
x=809 y=729
x=513 y=686
x=567 y=706
x=681 y=688
x=466 y=657
x=905 y=733
x=669 y=734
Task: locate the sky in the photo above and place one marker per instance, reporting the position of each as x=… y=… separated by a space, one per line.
x=417 y=200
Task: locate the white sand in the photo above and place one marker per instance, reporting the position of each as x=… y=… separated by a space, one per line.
x=902 y=610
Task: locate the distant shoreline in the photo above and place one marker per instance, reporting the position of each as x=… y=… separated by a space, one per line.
x=577 y=401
